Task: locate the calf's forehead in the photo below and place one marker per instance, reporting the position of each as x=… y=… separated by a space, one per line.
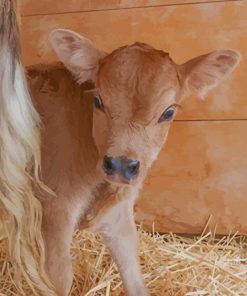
x=136 y=72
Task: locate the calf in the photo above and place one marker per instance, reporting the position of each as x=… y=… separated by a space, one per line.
x=100 y=138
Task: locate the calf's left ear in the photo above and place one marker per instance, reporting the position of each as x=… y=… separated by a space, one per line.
x=205 y=72
x=77 y=53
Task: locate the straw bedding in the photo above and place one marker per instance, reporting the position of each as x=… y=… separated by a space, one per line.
x=171 y=265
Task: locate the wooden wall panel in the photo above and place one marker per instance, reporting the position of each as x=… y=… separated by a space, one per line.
x=34 y=7
x=201 y=172
x=184 y=31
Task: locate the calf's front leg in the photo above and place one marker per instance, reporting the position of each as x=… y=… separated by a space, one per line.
x=119 y=232
x=59 y=220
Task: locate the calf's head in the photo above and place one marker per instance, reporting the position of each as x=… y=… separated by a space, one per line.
x=138 y=90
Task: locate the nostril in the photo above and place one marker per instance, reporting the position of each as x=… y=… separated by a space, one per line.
x=108 y=165
x=133 y=169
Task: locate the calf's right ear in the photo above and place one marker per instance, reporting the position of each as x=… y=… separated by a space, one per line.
x=77 y=53
x=205 y=72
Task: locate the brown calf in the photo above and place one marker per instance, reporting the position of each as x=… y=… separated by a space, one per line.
x=100 y=139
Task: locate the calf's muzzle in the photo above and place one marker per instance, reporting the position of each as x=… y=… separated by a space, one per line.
x=123 y=167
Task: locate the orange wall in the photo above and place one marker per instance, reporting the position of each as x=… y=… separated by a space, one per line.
x=202 y=170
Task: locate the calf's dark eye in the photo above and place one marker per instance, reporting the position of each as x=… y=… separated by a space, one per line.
x=168 y=114
x=98 y=103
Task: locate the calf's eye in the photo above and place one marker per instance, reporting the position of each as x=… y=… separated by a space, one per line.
x=168 y=114
x=98 y=103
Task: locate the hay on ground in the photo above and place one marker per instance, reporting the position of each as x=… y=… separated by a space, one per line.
x=171 y=265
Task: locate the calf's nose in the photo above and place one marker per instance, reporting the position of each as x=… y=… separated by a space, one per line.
x=126 y=168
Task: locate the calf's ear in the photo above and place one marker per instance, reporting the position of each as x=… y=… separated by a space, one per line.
x=77 y=53
x=205 y=72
